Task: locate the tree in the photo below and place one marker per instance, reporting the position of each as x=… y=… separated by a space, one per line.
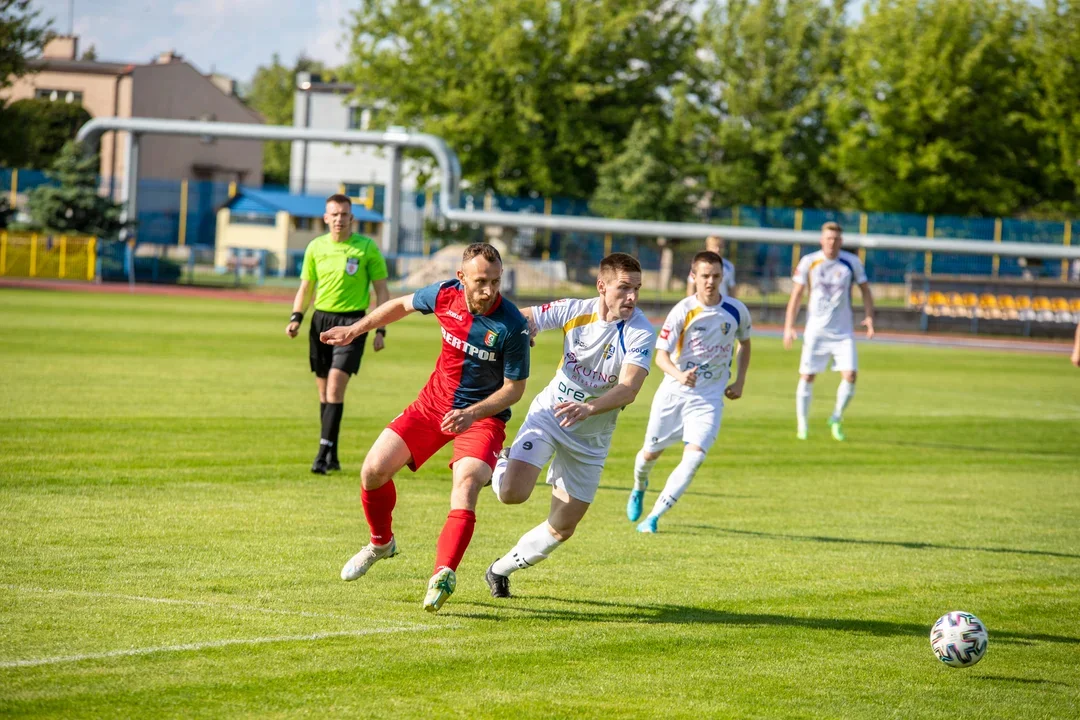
x=935 y=110
x=89 y=54
x=767 y=68
x=273 y=89
x=534 y=95
x=22 y=37
x=640 y=183
x=74 y=206
x=1052 y=45
x=42 y=127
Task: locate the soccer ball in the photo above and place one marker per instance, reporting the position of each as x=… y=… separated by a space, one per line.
x=959 y=639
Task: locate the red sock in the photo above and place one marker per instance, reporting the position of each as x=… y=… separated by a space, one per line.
x=378 y=508
x=454 y=538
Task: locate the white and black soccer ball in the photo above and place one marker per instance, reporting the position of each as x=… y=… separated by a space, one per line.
x=959 y=639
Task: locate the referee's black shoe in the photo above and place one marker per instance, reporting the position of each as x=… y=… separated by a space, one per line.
x=499 y=584
x=332 y=463
x=322 y=462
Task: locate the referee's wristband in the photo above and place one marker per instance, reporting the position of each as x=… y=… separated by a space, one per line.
x=381 y=331
x=296 y=317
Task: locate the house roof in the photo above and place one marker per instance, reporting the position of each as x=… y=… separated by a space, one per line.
x=264 y=202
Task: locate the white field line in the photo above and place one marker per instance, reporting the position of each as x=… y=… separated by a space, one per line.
x=191 y=647
x=174 y=601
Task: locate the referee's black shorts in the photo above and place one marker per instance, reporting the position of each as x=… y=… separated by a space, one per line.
x=345 y=358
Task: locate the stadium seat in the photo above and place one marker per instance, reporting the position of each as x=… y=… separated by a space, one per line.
x=1023 y=303
x=917 y=299
x=1041 y=303
x=936 y=303
x=1074 y=304
x=1060 y=306
x=988 y=306
x=1007 y=303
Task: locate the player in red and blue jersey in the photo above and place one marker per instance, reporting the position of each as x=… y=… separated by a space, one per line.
x=480 y=373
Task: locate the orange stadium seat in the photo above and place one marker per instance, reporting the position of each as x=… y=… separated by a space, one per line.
x=988 y=306
x=1074 y=304
x=1059 y=304
x=1007 y=302
x=917 y=299
x=1023 y=303
x=1040 y=303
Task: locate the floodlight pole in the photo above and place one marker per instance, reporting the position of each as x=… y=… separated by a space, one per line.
x=450 y=176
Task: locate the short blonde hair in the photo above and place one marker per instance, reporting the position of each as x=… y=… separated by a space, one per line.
x=832 y=226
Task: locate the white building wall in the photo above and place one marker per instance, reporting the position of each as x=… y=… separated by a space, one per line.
x=329 y=165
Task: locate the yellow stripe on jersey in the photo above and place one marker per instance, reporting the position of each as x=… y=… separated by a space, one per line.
x=814 y=265
x=579 y=321
x=686 y=323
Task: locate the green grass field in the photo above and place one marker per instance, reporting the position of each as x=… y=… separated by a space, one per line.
x=168 y=553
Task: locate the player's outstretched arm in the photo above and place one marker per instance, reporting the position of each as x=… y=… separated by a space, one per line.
x=458 y=421
x=383 y=315
x=382 y=296
x=734 y=391
x=299 y=307
x=665 y=363
x=868 y=308
x=631 y=378
x=793 y=304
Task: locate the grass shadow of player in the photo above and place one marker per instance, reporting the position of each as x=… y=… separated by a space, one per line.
x=1000 y=449
x=699 y=493
x=599 y=611
x=890 y=543
x=1024 y=681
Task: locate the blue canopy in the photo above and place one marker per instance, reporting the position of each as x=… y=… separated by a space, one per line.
x=253 y=201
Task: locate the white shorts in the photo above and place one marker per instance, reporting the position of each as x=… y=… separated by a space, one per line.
x=578 y=461
x=691 y=418
x=817 y=350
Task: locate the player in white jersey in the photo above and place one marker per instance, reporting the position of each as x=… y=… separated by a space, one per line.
x=715 y=243
x=607 y=351
x=831 y=274
x=695 y=349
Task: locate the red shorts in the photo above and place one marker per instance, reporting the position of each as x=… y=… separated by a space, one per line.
x=419 y=428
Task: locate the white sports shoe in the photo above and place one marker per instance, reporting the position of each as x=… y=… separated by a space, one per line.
x=362 y=561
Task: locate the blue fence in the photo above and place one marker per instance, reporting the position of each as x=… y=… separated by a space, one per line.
x=160 y=202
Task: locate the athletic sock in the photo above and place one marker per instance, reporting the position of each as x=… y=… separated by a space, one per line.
x=533 y=547
x=335 y=410
x=678 y=481
x=803 y=393
x=497 y=476
x=378 y=509
x=454 y=539
x=844 y=393
x=642 y=468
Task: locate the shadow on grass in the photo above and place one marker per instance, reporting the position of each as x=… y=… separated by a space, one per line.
x=688 y=492
x=890 y=543
x=979 y=448
x=600 y=611
x=1025 y=681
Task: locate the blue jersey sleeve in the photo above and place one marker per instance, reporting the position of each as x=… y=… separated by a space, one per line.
x=424 y=299
x=516 y=354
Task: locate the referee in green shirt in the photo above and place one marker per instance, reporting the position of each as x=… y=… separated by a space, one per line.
x=339 y=266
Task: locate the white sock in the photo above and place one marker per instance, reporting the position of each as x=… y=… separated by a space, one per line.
x=844 y=393
x=497 y=476
x=678 y=481
x=642 y=468
x=533 y=547
x=803 y=393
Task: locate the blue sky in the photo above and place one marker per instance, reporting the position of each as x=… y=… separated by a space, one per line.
x=227 y=36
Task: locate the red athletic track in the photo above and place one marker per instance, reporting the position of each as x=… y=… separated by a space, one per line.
x=284 y=296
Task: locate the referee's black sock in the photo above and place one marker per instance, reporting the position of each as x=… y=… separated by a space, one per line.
x=331 y=424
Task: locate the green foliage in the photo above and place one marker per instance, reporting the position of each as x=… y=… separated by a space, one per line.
x=767 y=69
x=272 y=93
x=22 y=38
x=1052 y=45
x=641 y=183
x=533 y=95
x=934 y=110
x=42 y=128
x=75 y=205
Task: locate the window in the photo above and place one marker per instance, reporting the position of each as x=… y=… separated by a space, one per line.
x=68 y=96
x=361 y=118
x=303 y=223
x=252 y=219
